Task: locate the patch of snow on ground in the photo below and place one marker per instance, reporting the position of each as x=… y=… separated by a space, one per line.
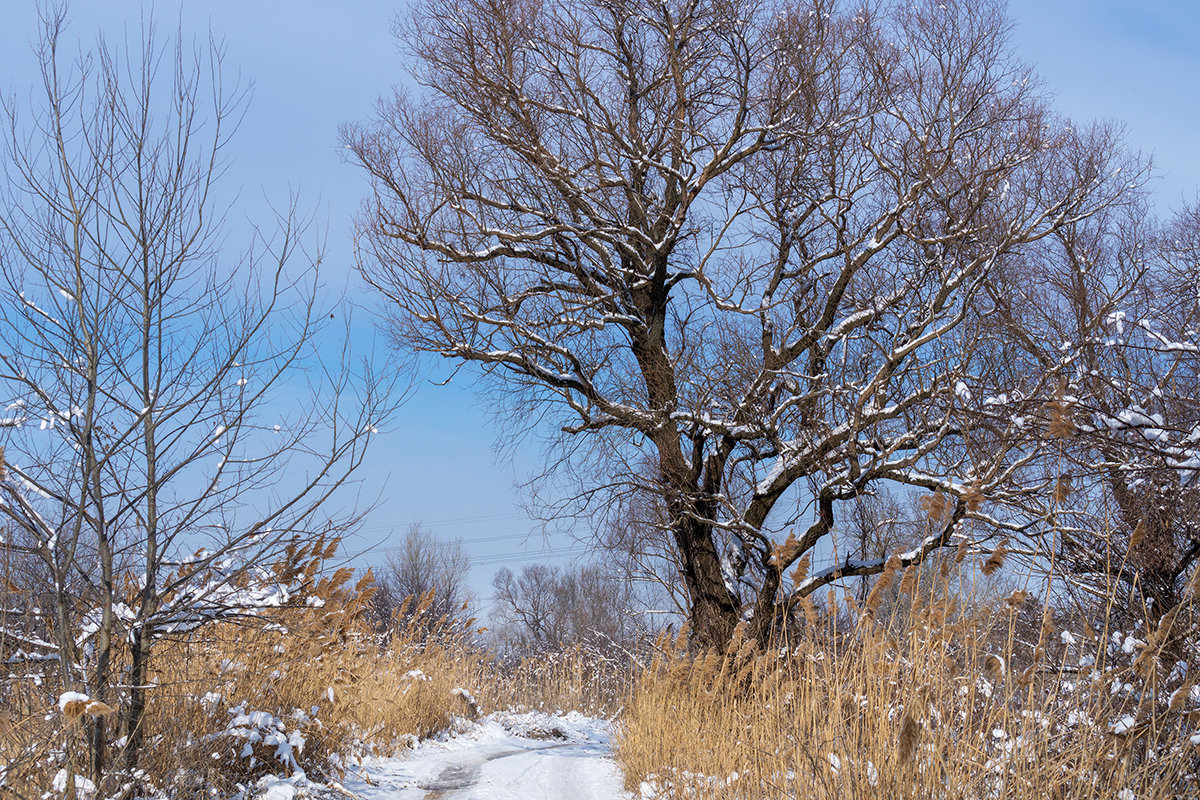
x=528 y=756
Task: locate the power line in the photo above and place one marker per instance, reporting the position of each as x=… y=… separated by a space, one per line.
x=453 y=521
x=508 y=537
x=507 y=558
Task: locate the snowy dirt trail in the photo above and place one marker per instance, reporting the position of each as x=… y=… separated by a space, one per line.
x=503 y=757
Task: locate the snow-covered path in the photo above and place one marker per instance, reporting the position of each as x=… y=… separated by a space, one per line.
x=503 y=757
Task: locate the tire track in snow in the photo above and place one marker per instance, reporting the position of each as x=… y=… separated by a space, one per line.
x=569 y=771
x=463 y=775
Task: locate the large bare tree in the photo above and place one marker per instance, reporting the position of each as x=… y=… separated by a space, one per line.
x=744 y=242
x=157 y=457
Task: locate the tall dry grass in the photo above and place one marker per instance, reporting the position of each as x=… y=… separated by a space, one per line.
x=301 y=695
x=927 y=701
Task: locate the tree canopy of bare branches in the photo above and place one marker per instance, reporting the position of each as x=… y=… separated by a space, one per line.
x=748 y=243
x=1105 y=315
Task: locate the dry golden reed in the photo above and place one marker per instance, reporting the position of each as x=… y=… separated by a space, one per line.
x=809 y=609
x=995 y=560
x=908 y=584
x=1017 y=599
x=1063 y=487
x=993 y=667
x=973 y=497
x=875 y=597
x=1140 y=531
x=951 y=705
x=73 y=709
x=935 y=506
x=960 y=552
x=782 y=554
x=1060 y=424
x=801 y=570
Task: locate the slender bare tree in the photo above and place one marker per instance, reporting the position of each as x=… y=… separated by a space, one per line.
x=744 y=241
x=426 y=575
x=156 y=460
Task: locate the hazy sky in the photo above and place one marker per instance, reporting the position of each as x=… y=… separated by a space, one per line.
x=315 y=64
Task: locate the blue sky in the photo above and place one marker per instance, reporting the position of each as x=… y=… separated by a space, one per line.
x=1135 y=62
x=316 y=64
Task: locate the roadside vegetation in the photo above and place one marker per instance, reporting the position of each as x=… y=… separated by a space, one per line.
x=935 y=697
x=943 y=682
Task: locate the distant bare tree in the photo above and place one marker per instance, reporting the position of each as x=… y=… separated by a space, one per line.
x=546 y=607
x=747 y=243
x=163 y=448
x=426 y=574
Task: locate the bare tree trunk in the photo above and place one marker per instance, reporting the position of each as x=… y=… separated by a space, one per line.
x=714 y=613
x=139 y=675
x=104 y=643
